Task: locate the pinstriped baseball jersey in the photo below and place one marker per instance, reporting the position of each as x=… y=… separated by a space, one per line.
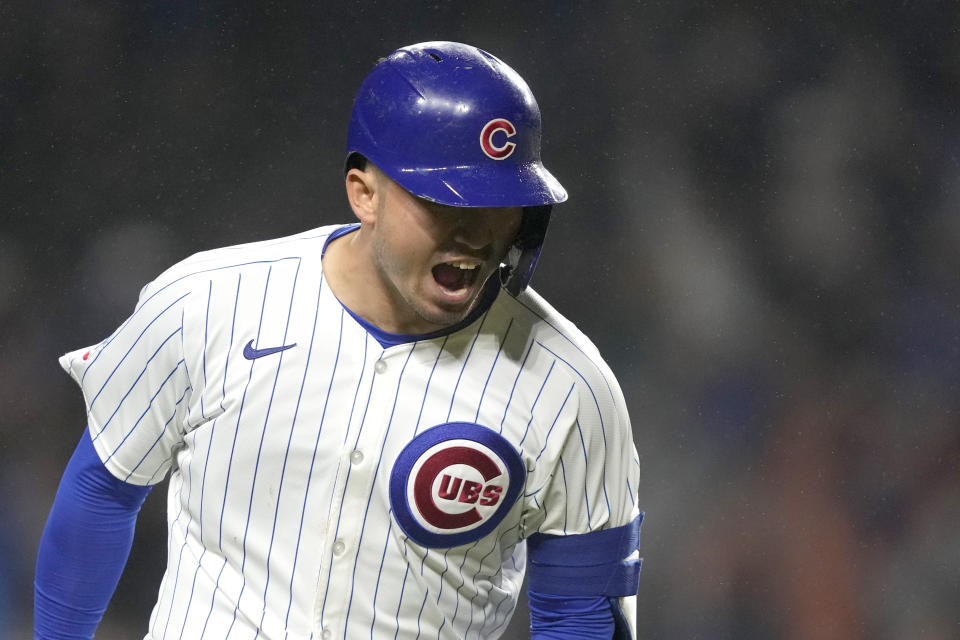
x=325 y=485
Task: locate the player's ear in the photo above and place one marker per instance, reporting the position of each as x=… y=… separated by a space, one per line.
x=362 y=192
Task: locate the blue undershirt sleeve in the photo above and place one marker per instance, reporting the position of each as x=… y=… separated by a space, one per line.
x=575 y=582
x=569 y=617
x=84 y=547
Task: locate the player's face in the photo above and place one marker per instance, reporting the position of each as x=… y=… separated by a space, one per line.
x=433 y=259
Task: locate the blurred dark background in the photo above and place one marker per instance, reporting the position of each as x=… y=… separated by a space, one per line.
x=762 y=238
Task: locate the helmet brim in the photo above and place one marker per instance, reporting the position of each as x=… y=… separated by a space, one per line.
x=518 y=185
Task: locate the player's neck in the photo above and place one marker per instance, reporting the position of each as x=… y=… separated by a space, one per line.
x=349 y=272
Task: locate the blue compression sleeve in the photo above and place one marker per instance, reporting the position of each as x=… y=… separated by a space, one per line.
x=84 y=547
x=574 y=582
x=569 y=617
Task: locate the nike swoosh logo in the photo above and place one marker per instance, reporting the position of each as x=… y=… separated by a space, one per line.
x=252 y=354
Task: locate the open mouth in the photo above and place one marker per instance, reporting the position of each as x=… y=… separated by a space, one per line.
x=455 y=276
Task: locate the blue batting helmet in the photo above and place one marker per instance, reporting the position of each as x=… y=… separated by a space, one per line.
x=454 y=124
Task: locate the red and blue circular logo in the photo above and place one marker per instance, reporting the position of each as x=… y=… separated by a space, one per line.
x=454 y=483
x=504 y=130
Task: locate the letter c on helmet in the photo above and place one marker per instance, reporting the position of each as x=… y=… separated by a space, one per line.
x=486 y=138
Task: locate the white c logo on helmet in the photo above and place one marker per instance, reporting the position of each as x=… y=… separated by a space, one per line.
x=486 y=138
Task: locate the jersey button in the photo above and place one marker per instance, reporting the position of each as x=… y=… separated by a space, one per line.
x=339 y=547
x=327 y=634
x=380 y=366
x=356 y=457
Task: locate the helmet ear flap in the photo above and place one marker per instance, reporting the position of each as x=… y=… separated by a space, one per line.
x=354 y=161
x=521 y=258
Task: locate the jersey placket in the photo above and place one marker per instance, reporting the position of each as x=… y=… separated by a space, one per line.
x=358 y=464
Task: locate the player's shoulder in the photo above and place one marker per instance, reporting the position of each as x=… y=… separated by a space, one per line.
x=559 y=337
x=227 y=261
x=306 y=244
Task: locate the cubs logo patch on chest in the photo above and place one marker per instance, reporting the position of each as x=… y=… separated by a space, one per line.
x=454 y=483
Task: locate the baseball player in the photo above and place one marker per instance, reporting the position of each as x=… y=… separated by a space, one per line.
x=370 y=430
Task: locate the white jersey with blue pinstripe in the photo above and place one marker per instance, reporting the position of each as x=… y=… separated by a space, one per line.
x=294 y=440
